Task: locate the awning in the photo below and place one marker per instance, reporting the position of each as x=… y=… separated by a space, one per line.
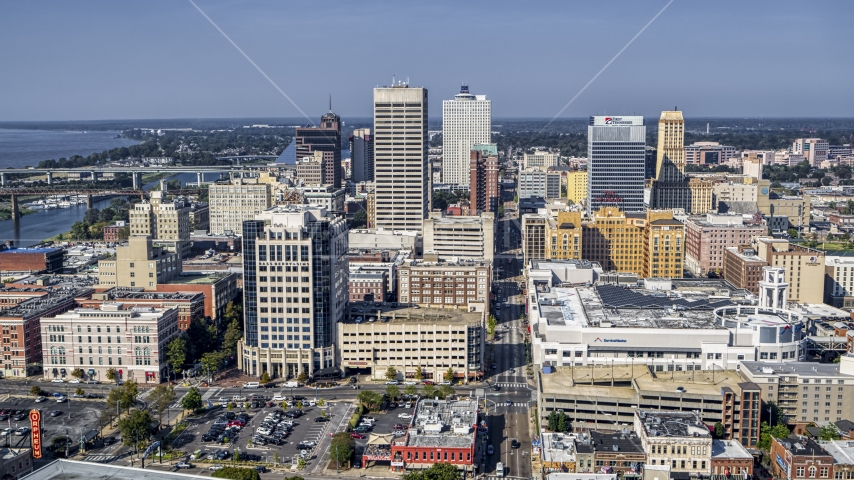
x=62 y=371
x=91 y=371
x=55 y=371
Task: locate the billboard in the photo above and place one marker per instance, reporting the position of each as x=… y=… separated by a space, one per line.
x=36 y=432
x=616 y=121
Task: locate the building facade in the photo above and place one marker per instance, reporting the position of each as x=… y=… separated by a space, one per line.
x=814 y=150
x=804 y=267
x=403 y=188
x=231 y=204
x=743 y=268
x=469 y=237
x=130 y=341
x=368 y=285
x=838 y=281
x=576 y=186
x=31 y=260
x=707 y=238
x=362 y=155
x=325 y=138
x=540 y=158
x=484 y=193
x=535 y=183
x=466 y=121
x=445 y=284
x=678 y=439
x=139 y=264
x=616 y=154
x=295 y=290
x=800 y=458
x=709 y=153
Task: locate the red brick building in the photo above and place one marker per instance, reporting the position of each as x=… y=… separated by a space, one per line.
x=705 y=241
x=368 y=285
x=190 y=305
x=218 y=288
x=483 y=183
x=730 y=458
x=440 y=431
x=844 y=222
x=111 y=232
x=800 y=458
x=21 y=331
x=31 y=260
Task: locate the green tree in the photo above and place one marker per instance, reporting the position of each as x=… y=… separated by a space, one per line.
x=369 y=399
x=446 y=391
x=36 y=391
x=124 y=395
x=490 y=325
x=562 y=422
x=719 y=429
x=79 y=391
x=160 y=398
x=192 y=400
x=342 y=447
x=237 y=473
x=135 y=426
x=392 y=391
x=211 y=362
x=80 y=231
x=449 y=375
x=410 y=390
x=428 y=391
x=391 y=373
x=111 y=374
x=91 y=216
x=77 y=373
x=832 y=205
x=360 y=219
x=265 y=377
x=302 y=377
x=419 y=374
x=828 y=432
x=437 y=471
x=122 y=234
x=176 y=353
x=233 y=334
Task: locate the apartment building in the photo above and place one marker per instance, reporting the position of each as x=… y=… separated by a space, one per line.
x=838 y=281
x=483 y=182
x=167 y=222
x=368 y=285
x=707 y=237
x=535 y=183
x=406 y=338
x=814 y=150
x=466 y=121
x=743 y=268
x=362 y=155
x=461 y=285
x=540 y=158
x=468 y=237
x=231 y=204
x=139 y=264
x=132 y=341
x=294 y=289
x=804 y=267
x=311 y=169
x=21 y=327
x=677 y=439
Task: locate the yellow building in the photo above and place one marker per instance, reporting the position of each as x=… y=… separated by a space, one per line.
x=671 y=188
x=650 y=244
x=576 y=186
x=563 y=236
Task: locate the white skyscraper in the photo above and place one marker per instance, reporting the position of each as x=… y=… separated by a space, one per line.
x=401 y=177
x=466 y=121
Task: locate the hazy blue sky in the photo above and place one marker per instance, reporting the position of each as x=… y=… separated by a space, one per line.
x=82 y=60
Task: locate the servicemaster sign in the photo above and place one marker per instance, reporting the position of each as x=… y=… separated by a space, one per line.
x=617 y=121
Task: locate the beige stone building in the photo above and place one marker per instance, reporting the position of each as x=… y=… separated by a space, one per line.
x=311 y=169
x=469 y=237
x=541 y=158
x=678 y=439
x=139 y=264
x=804 y=267
x=233 y=203
x=167 y=222
x=407 y=338
x=462 y=285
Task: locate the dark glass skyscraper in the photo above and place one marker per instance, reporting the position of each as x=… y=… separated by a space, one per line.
x=326 y=138
x=616 y=154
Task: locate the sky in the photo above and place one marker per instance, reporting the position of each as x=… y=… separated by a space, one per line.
x=100 y=60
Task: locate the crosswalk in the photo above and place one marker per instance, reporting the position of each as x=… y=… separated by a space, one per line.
x=512 y=385
x=519 y=404
x=101 y=458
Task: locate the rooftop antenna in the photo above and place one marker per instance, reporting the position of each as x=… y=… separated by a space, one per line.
x=330 y=103
x=393 y=78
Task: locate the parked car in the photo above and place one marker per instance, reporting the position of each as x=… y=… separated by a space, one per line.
x=56 y=413
x=320 y=419
x=40 y=399
x=400 y=426
x=57 y=380
x=216 y=467
x=392 y=382
x=405 y=415
x=490 y=450
x=357 y=435
x=74 y=380
x=183 y=465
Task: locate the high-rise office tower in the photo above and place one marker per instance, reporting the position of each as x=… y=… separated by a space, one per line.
x=671 y=188
x=295 y=290
x=483 y=183
x=616 y=149
x=466 y=121
x=326 y=138
x=401 y=175
x=362 y=155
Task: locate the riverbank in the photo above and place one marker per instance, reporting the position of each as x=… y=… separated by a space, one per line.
x=6 y=212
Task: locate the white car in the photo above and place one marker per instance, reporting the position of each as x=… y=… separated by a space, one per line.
x=61 y=399
x=392 y=382
x=405 y=415
x=57 y=380
x=41 y=399
x=216 y=467
x=444 y=383
x=278 y=397
x=6 y=431
x=410 y=382
x=74 y=380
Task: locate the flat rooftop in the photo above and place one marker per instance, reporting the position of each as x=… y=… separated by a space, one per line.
x=403 y=314
x=208 y=279
x=75 y=470
x=443 y=423
x=842 y=451
x=729 y=449
x=35 y=306
x=558 y=447
x=802 y=446
x=657 y=423
x=137 y=293
x=804 y=369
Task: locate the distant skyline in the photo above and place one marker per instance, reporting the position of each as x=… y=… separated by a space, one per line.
x=100 y=60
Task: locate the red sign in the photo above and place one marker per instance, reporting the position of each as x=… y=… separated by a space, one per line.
x=36 y=432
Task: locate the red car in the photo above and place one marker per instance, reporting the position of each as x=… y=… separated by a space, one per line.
x=239 y=423
x=357 y=435
x=428 y=382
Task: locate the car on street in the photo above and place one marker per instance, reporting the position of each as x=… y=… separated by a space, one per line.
x=489 y=450
x=183 y=465
x=41 y=399
x=22 y=431
x=404 y=415
x=357 y=435
x=61 y=399
x=216 y=467
x=428 y=382
x=392 y=382
x=91 y=382
x=400 y=426
x=320 y=419
x=57 y=380
x=444 y=383
x=261 y=469
x=410 y=382
x=74 y=380
x=56 y=413
x=515 y=443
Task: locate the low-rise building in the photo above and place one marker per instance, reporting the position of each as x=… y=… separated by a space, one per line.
x=731 y=459
x=368 y=285
x=325 y=196
x=112 y=232
x=31 y=260
x=450 y=237
x=436 y=340
x=441 y=431
x=706 y=239
x=839 y=281
x=16 y=462
x=680 y=439
x=799 y=458
x=743 y=268
x=190 y=305
x=219 y=289
x=130 y=341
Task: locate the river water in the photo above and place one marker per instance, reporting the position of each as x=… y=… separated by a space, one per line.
x=21 y=148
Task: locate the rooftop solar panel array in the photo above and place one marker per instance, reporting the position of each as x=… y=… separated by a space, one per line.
x=620 y=297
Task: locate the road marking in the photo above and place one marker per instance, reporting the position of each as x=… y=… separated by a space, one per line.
x=210 y=393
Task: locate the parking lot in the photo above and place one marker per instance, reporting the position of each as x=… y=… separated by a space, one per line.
x=384 y=423
x=305 y=429
x=76 y=417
